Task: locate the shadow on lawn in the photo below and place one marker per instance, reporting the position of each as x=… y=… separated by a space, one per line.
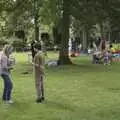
x=78 y=66
x=88 y=113
x=114 y=90
x=17 y=107
x=24 y=68
x=94 y=67
x=60 y=105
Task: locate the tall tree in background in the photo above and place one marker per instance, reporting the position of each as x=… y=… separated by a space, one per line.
x=57 y=14
x=36 y=19
x=63 y=56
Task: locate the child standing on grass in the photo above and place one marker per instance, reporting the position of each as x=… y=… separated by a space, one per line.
x=39 y=72
x=106 y=56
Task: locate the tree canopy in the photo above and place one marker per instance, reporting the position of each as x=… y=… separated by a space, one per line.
x=88 y=17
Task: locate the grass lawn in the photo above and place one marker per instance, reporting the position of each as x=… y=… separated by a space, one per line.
x=77 y=92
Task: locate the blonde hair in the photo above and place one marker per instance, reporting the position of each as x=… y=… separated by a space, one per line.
x=7 y=49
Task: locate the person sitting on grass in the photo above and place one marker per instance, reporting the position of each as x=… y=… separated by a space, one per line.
x=96 y=57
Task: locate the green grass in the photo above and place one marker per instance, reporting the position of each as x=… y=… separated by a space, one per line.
x=77 y=92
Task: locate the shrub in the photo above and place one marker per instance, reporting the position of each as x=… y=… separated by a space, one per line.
x=3 y=42
x=19 y=45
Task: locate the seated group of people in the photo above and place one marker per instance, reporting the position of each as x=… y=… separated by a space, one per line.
x=104 y=56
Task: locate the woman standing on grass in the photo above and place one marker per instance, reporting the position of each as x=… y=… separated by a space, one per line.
x=5 y=64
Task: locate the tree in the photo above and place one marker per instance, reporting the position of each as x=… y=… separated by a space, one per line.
x=63 y=56
x=57 y=15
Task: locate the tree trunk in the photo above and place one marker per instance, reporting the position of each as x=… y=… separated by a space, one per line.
x=36 y=27
x=36 y=31
x=36 y=18
x=56 y=35
x=109 y=36
x=85 y=39
x=63 y=55
x=102 y=30
x=109 y=33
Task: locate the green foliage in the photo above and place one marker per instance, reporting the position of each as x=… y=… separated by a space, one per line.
x=18 y=44
x=93 y=17
x=51 y=10
x=6 y=5
x=3 y=41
